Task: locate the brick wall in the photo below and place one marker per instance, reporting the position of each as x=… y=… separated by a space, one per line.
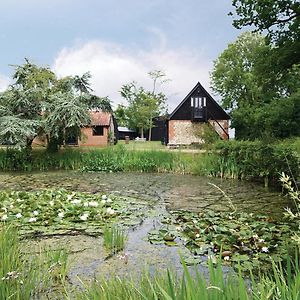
x=88 y=139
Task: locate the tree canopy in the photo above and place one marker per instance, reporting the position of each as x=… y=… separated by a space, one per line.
x=280 y=19
x=40 y=104
x=261 y=100
x=143 y=106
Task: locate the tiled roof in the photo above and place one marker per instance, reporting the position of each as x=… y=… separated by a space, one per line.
x=99 y=118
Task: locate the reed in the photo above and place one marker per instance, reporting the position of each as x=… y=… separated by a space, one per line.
x=114 y=238
x=21 y=277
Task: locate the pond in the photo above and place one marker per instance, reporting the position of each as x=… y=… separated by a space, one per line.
x=184 y=192
x=164 y=192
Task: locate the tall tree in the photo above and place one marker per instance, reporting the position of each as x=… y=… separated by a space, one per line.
x=235 y=75
x=280 y=19
x=256 y=95
x=38 y=103
x=143 y=106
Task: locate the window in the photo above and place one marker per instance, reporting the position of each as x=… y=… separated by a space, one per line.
x=97 y=130
x=198 y=102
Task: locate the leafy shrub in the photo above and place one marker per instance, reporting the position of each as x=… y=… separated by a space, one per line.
x=257 y=160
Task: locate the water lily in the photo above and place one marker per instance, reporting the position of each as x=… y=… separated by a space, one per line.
x=104 y=197
x=61 y=215
x=86 y=204
x=4 y=217
x=18 y=215
x=35 y=213
x=32 y=220
x=103 y=201
x=83 y=217
x=4 y=209
x=226 y=257
x=76 y=201
x=93 y=203
x=109 y=200
x=265 y=249
x=197 y=235
x=11 y=206
x=69 y=197
x=261 y=240
x=110 y=211
x=51 y=203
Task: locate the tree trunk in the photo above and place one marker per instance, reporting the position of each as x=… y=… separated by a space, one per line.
x=150 y=133
x=142 y=132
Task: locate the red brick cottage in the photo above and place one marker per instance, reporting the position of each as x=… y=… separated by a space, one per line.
x=100 y=132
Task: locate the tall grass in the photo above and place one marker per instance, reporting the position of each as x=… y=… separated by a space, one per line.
x=280 y=283
x=114 y=238
x=251 y=160
x=21 y=277
x=169 y=286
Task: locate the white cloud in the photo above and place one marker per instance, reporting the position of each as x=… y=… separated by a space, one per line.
x=4 y=82
x=112 y=65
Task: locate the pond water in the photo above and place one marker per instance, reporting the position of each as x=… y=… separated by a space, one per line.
x=170 y=192
x=184 y=192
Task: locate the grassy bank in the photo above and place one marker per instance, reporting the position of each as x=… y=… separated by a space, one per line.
x=43 y=275
x=239 y=160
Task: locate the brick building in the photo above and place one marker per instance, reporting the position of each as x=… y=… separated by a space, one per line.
x=183 y=125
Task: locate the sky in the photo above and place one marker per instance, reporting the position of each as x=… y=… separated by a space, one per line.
x=118 y=41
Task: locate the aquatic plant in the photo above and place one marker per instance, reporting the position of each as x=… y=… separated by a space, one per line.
x=256 y=160
x=114 y=238
x=54 y=211
x=246 y=240
x=169 y=286
x=57 y=263
x=21 y=277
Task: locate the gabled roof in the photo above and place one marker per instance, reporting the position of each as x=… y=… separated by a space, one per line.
x=187 y=98
x=100 y=118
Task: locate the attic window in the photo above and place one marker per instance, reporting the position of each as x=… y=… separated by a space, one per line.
x=98 y=130
x=198 y=102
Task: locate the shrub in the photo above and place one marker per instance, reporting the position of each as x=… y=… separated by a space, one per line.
x=257 y=160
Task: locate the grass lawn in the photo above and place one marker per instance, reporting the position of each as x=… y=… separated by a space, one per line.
x=138 y=145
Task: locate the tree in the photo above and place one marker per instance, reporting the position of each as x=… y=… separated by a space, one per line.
x=38 y=103
x=143 y=106
x=281 y=20
x=121 y=115
x=257 y=96
x=235 y=75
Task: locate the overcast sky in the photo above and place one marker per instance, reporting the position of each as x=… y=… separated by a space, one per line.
x=118 y=41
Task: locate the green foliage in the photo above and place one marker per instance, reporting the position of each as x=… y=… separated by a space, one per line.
x=169 y=286
x=21 y=277
x=279 y=283
x=121 y=116
x=256 y=160
x=143 y=106
x=279 y=17
x=37 y=103
x=244 y=241
x=235 y=75
x=263 y=99
x=114 y=238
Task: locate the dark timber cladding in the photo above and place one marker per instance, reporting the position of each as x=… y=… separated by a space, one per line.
x=184 y=111
x=196 y=109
